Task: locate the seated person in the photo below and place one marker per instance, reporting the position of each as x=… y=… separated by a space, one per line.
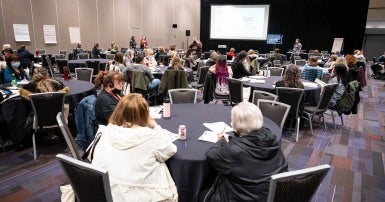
x=139 y=65
x=213 y=59
x=291 y=78
x=77 y=50
x=276 y=55
x=96 y=51
x=109 y=97
x=41 y=82
x=172 y=51
x=113 y=48
x=14 y=68
x=133 y=150
x=176 y=64
x=339 y=75
x=221 y=72
x=160 y=52
x=232 y=53
x=307 y=70
x=149 y=59
x=331 y=62
x=245 y=161
x=238 y=67
x=381 y=58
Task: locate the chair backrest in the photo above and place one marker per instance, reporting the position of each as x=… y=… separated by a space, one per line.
x=59 y=56
x=110 y=56
x=326 y=77
x=292 y=97
x=173 y=79
x=63 y=52
x=89 y=182
x=83 y=56
x=93 y=64
x=84 y=74
x=202 y=75
x=326 y=95
x=165 y=59
x=274 y=110
x=45 y=108
x=298 y=185
x=235 y=90
x=60 y=64
x=74 y=148
x=258 y=94
x=275 y=71
x=183 y=95
x=139 y=80
x=300 y=62
x=277 y=63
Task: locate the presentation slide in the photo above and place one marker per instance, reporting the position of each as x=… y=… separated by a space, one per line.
x=244 y=22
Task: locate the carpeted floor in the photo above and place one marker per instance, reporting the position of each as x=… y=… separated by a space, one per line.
x=356 y=152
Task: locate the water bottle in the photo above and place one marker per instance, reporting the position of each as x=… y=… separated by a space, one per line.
x=65 y=72
x=14 y=81
x=166 y=108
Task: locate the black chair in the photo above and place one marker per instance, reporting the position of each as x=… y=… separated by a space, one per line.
x=183 y=95
x=83 y=56
x=326 y=77
x=88 y=182
x=292 y=97
x=164 y=59
x=74 y=148
x=93 y=64
x=297 y=185
x=60 y=64
x=110 y=56
x=275 y=71
x=84 y=74
x=59 y=56
x=201 y=78
x=322 y=106
x=258 y=94
x=45 y=108
x=235 y=91
x=274 y=110
x=63 y=52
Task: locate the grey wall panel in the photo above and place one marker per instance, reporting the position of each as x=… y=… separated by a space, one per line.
x=67 y=12
x=107 y=23
x=17 y=12
x=88 y=23
x=44 y=13
x=100 y=21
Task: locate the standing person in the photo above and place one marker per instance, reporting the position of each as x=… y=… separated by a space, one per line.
x=144 y=42
x=297 y=46
x=245 y=161
x=134 y=151
x=195 y=48
x=26 y=57
x=361 y=60
x=133 y=43
x=96 y=51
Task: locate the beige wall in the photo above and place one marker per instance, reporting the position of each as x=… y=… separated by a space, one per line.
x=101 y=21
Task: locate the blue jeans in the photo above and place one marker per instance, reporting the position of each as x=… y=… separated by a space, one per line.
x=153 y=84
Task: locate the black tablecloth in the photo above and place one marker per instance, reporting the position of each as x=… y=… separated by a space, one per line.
x=311 y=94
x=188 y=166
x=16 y=110
x=83 y=61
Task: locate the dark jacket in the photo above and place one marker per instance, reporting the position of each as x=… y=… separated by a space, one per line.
x=245 y=165
x=172 y=79
x=85 y=118
x=354 y=75
x=209 y=88
x=104 y=106
x=239 y=70
x=26 y=58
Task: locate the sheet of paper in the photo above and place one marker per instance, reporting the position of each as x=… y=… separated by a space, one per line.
x=257 y=81
x=218 y=127
x=257 y=77
x=310 y=84
x=171 y=136
x=209 y=136
x=155 y=112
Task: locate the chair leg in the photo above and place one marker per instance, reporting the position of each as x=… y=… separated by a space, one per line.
x=342 y=120
x=297 y=129
x=323 y=119
x=334 y=122
x=311 y=123
x=34 y=146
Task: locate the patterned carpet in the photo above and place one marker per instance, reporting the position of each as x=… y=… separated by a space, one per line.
x=356 y=152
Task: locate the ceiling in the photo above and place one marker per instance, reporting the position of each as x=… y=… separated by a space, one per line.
x=376 y=14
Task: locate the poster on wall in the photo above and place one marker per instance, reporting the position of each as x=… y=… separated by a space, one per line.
x=21 y=32
x=49 y=34
x=74 y=35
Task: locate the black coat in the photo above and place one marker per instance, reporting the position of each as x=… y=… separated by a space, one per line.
x=239 y=70
x=245 y=165
x=104 y=106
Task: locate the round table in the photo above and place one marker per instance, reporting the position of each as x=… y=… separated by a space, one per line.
x=83 y=61
x=311 y=94
x=188 y=166
x=159 y=70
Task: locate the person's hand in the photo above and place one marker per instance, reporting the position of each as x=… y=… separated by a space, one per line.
x=222 y=136
x=152 y=123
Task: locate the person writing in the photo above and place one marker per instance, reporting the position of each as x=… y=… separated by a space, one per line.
x=246 y=161
x=134 y=151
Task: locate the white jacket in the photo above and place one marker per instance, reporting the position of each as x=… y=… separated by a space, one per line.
x=135 y=160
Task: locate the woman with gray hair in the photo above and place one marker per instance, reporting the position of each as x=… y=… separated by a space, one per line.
x=246 y=161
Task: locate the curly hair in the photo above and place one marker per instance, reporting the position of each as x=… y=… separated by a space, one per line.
x=292 y=77
x=39 y=74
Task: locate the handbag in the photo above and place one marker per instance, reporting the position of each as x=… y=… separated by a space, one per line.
x=89 y=153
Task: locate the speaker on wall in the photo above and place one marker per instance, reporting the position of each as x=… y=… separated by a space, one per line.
x=174 y=26
x=187 y=32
